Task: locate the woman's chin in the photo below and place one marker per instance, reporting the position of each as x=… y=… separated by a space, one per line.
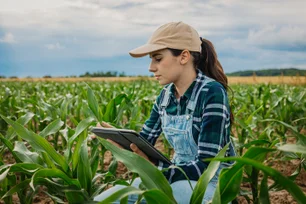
x=162 y=83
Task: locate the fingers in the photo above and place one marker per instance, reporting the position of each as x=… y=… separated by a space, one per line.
x=115 y=143
x=105 y=124
x=138 y=151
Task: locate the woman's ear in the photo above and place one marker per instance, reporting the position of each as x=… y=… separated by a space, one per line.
x=185 y=57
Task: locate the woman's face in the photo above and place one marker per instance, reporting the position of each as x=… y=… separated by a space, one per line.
x=165 y=66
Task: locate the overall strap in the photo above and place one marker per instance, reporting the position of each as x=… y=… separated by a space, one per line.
x=195 y=95
x=166 y=97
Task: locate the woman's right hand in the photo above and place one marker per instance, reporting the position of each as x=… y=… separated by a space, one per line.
x=104 y=124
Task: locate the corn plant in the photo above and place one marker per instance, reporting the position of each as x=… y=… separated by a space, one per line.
x=44 y=126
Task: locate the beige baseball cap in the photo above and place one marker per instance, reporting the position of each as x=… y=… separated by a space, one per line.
x=175 y=35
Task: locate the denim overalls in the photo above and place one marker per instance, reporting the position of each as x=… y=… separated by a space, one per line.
x=178 y=128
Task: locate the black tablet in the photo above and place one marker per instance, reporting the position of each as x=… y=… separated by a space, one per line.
x=125 y=137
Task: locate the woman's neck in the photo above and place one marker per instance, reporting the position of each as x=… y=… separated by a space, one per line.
x=184 y=82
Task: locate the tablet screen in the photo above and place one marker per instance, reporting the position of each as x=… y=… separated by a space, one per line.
x=125 y=137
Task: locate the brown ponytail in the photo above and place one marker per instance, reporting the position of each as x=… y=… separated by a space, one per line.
x=207 y=61
x=209 y=64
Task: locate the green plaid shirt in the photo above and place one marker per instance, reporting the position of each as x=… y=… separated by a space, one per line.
x=211 y=125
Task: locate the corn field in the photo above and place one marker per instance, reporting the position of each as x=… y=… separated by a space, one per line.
x=46 y=145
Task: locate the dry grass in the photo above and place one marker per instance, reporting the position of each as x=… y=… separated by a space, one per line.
x=295 y=80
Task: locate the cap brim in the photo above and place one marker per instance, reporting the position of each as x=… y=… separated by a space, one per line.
x=146 y=49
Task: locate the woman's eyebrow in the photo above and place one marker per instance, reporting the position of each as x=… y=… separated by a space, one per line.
x=154 y=55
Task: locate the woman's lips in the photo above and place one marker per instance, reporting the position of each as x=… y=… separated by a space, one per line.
x=157 y=76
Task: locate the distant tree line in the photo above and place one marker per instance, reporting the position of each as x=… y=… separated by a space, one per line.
x=104 y=74
x=270 y=72
x=265 y=72
x=87 y=74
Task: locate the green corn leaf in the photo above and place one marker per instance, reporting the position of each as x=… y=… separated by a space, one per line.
x=256 y=142
x=4 y=174
x=94 y=156
x=54 y=198
x=200 y=188
x=250 y=118
x=182 y=171
x=10 y=146
x=48 y=161
x=25 y=168
x=118 y=195
x=23 y=120
x=301 y=137
x=77 y=150
x=293 y=148
x=17 y=188
x=229 y=184
x=52 y=128
x=217 y=196
x=112 y=168
x=54 y=173
x=149 y=174
x=111 y=112
x=38 y=143
x=230 y=179
x=93 y=104
x=25 y=155
x=83 y=170
x=64 y=108
x=257 y=153
x=96 y=191
x=156 y=196
x=276 y=187
x=81 y=134
x=264 y=191
x=286 y=183
x=119 y=98
x=83 y=125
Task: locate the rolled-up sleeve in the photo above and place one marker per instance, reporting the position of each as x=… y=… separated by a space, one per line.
x=152 y=127
x=215 y=123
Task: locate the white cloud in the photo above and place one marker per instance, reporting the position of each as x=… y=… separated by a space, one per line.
x=241 y=30
x=55 y=46
x=135 y=18
x=8 y=38
x=283 y=37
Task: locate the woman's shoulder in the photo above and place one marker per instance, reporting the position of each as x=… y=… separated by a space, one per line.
x=212 y=86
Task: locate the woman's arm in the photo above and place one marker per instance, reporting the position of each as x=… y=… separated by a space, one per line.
x=152 y=127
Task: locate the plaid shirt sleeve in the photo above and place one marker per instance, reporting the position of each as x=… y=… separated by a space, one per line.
x=152 y=127
x=151 y=130
x=215 y=123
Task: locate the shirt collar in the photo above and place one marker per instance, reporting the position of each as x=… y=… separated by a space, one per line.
x=199 y=78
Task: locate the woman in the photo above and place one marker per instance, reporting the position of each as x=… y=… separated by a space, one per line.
x=192 y=110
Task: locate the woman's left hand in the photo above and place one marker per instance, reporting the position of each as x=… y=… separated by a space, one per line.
x=139 y=152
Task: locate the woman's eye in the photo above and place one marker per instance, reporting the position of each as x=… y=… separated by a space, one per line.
x=158 y=59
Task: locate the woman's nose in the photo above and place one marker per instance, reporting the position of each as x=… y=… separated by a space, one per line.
x=152 y=68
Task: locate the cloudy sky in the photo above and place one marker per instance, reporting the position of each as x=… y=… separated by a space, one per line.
x=70 y=37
